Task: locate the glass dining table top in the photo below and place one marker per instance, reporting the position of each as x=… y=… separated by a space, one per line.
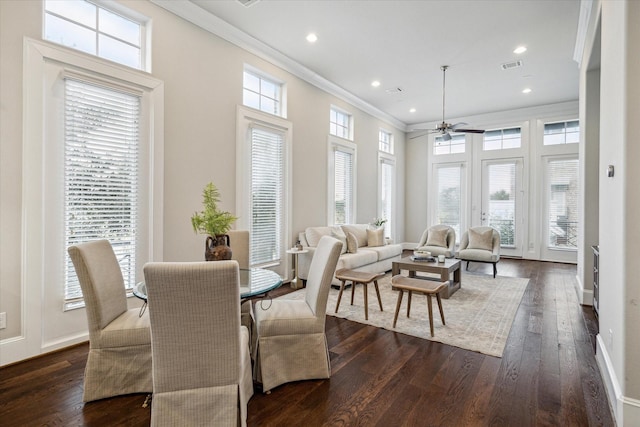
x=253 y=282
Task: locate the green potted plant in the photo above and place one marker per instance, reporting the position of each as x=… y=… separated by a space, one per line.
x=215 y=223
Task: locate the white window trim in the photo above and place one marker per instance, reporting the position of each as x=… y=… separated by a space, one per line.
x=36 y=309
x=245 y=117
x=347 y=146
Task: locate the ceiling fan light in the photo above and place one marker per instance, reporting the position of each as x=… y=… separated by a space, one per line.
x=446 y=136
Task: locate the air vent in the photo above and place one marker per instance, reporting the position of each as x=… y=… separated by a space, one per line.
x=394 y=90
x=510 y=65
x=247 y=3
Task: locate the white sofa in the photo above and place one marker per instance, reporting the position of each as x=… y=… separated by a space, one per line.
x=373 y=259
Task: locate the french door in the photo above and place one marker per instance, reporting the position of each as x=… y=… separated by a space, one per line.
x=560 y=217
x=502 y=202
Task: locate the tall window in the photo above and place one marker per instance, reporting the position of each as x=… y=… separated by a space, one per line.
x=455 y=145
x=263 y=146
x=262 y=93
x=450 y=196
x=385 y=140
x=267 y=195
x=342 y=182
x=501 y=139
x=340 y=123
x=561 y=133
x=562 y=203
x=387 y=168
x=101 y=140
x=108 y=33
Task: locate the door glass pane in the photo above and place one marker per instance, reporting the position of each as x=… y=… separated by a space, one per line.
x=562 y=194
x=502 y=201
x=449 y=197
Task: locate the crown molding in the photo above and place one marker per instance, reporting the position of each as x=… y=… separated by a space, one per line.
x=583 y=26
x=213 y=24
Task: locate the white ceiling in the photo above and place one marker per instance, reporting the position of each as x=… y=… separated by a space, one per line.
x=404 y=43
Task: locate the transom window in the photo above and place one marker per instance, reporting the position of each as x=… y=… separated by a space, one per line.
x=340 y=123
x=96 y=30
x=501 y=139
x=385 y=141
x=262 y=93
x=561 y=133
x=455 y=145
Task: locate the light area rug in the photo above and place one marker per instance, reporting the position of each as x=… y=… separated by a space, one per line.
x=478 y=316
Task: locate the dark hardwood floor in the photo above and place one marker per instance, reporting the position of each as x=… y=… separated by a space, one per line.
x=547 y=376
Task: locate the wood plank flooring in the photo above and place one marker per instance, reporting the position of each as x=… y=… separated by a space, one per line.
x=547 y=376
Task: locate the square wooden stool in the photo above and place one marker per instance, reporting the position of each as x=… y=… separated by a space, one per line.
x=362 y=278
x=426 y=287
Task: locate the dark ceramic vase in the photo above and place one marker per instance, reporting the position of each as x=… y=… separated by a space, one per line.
x=217 y=248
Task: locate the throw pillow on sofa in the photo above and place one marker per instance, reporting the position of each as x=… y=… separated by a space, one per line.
x=375 y=237
x=437 y=238
x=352 y=243
x=337 y=233
x=359 y=231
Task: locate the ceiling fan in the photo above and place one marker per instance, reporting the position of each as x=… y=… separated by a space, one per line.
x=445 y=128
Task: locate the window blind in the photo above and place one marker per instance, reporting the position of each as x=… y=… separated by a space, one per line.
x=386 y=193
x=343 y=186
x=449 y=197
x=502 y=200
x=562 y=192
x=101 y=143
x=267 y=195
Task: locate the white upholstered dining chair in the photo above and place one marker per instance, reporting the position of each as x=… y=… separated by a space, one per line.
x=201 y=358
x=292 y=344
x=119 y=359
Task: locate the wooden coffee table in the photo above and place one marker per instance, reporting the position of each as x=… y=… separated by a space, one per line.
x=444 y=269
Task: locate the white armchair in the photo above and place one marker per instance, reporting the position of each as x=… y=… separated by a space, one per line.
x=480 y=244
x=439 y=240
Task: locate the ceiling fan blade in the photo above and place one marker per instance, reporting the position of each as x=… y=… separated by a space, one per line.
x=457 y=125
x=419 y=135
x=470 y=130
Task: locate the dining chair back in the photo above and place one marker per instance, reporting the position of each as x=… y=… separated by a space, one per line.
x=119 y=360
x=201 y=360
x=292 y=344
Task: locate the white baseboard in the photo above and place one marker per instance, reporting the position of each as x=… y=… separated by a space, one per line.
x=585 y=296
x=626 y=411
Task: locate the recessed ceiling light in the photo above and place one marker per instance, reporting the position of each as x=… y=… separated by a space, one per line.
x=527 y=90
x=375 y=83
x=412 y=110
x=312 y=38
x=520 y=49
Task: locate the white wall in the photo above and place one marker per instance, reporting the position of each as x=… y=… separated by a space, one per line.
x=202 y=77
x=618 y=351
